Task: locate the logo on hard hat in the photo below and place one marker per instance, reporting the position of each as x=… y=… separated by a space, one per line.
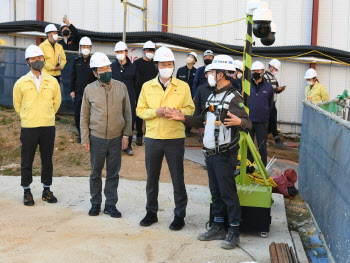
x=167 y=54
x=36 y=51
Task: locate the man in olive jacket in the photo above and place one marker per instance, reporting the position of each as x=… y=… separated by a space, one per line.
x=105 y=124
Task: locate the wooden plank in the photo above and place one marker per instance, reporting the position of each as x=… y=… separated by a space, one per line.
x=273 y=253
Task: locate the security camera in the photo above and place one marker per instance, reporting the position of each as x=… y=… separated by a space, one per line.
x=262 y=18
x=270 y=39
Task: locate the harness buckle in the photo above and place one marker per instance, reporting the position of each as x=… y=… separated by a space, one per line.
x=218 y=123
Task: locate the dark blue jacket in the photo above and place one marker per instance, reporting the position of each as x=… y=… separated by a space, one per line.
x=261 y=101
x=81 y=75
x=199 y=79
x=238 y=84
x=127 y=75
x=182 y=74
x=202 y=94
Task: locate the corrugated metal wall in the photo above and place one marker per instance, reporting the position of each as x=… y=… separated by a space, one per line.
x=293 y=19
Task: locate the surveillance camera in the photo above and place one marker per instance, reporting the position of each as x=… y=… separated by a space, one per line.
x=262 y=18
x=270 y=39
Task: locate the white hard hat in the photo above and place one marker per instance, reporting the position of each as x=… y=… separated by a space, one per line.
x=239 y=65
x=208 y=52
x=85 y=41
x=223 y=62
x=120 y=46
x=98 y=60
x=310 y=74
x=257 y=65
x=275 y=63
x=193 y=54
x=208 y=68
x=33 y=51
x=164 y=54
x=63 y=25
x=50 y=28
x=149 y=44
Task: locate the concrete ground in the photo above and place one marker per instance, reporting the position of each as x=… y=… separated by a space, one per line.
x=63 y=232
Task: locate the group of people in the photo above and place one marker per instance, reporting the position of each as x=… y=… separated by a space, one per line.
x=111 y=98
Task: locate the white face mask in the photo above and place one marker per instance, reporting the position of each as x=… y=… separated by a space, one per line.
x=120 y=57
x=310 y=82
x=239 y=75
x=166 y=73
x=149 y=55
x=211 y=80
x=189 y=60
x=85 y=51
x=55 y=37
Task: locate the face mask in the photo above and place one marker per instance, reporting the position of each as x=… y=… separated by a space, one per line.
x=55 y=37
x=207 y=61
x=211 y=80
x=273 y=72
x=239 y=75
x=37 y=65
x=189 y=60
x=166 y=73
x=106 y=77
x=65 y=32
x=120 y=57
x=149 y=55
x=310 y=82
x=85 y=51
x=256 y=76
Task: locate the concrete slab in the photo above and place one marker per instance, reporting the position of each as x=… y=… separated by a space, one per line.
x=298 y=246
x=63 y=232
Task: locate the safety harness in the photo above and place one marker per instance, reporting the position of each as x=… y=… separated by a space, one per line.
x=217 y=111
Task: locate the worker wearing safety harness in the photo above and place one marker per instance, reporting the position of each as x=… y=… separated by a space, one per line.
x=223 y=118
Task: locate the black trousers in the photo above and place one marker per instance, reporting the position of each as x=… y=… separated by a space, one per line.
x=138 y=121
x=30 y=139
x=260 y=129
x=173 y=150
x=222 y=186
x=58 y=79
x=273 y=121
x=133 y=116
x=77 y=108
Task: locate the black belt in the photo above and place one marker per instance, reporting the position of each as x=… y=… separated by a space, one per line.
x=226 y=148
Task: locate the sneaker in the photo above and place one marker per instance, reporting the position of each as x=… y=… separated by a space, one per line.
x=48 y=196
x=177 y=224
x=28 y=198
x=149 y=219
x=95 y=210
x=139 y=141
x=129 y=151
x=216 y=232
x=280 y=144
x=188 y=133
x=112 y=211
x=232 y=239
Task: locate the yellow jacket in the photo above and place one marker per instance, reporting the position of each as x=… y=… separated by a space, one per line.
x=152 y=97
x=318 y=93
x=36 y=109
x=2 y=53
x=52 y=56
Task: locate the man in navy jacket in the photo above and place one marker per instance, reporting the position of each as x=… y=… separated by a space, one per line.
x=200 y=78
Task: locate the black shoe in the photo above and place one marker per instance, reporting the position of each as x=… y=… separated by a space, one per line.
x=177 y=224
x=139 y=141
x=232 y=239
x=188 y=133
x=200 y=139
x=28 y=198
x=112 y=211
x=79 y=140
x=280 y=144
x=149 y=219
x=49 y=197
x=216 y=232
x=129 y=151
x=95 y=210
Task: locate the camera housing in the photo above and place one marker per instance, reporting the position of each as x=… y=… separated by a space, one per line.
x=262 y=18
x=270 y=39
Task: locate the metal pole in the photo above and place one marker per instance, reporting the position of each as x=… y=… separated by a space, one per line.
x=124 y=29
x=145 y=15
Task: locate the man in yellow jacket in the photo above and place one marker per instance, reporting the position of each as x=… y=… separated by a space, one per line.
x=315 y=92
x=55 y=57
x=36 y=99
x=164 y=137
x=2 y=65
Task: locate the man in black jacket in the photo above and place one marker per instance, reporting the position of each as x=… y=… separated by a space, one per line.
x=199 y=77
x=124 y=71
x=82 y=75
x=70 y=35
x=186 y=73
x=145 y=71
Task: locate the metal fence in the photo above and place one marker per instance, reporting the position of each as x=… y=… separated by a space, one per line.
x=324 y=176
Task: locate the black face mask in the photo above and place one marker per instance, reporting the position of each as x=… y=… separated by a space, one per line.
x=256 y=76
x=65 y=32
x=37 y=65
x=207 y=61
